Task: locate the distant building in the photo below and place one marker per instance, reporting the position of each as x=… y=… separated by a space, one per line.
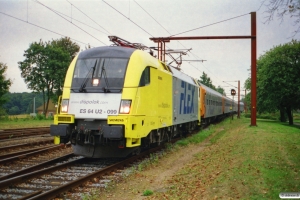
x=51 y=109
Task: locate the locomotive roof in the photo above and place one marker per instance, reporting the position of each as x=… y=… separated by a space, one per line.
x=180 y=75
x=107 y=51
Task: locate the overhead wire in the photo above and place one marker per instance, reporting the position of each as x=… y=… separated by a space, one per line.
x=42 y=27
x=58 y=13
x=207 y=69
x=209 y=24
x=68 y=20
x=170 y=34
x=128 y=18
x=88 y=16
x=178 y=33
x=79 y=21
x=137 y=24
x=230 y=84
x=151 y=16
x=168 y=31
x=157 y=21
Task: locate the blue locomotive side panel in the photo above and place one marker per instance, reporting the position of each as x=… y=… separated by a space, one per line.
x=185 y=98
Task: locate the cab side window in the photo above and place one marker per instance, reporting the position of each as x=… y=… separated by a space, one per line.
x=145 y=78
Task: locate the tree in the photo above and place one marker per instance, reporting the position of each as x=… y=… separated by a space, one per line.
x=205 y=80
x=221 y=90
x=4 y=85
x=282 y=8
x=278 y=83
x=72 y=49
x=45 y=67
x=247 y=86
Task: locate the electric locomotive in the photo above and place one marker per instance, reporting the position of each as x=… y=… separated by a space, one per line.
x=118 y=100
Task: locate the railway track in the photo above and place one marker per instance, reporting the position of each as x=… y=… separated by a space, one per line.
x=11 y=164
x=66 y=177
x=55 y=177
x=24 y=132
x=23 y=147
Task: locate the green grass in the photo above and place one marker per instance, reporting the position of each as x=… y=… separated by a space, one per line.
x=24 y=122
x=243 y=162
x=197 y=138
x=147 y=192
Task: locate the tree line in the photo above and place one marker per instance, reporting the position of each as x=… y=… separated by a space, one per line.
x=22 y=103
x=278 y=81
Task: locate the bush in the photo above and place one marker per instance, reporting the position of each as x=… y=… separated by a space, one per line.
x=40 y=117
x=50 y=117
x=270 y=116
x=147 y=192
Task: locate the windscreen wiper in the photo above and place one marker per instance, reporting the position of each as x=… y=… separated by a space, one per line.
x=83 y=85
x=105 y=89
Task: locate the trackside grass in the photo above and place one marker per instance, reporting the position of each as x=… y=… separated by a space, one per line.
x=23 y=121
x=230 y=160
x=242 y=162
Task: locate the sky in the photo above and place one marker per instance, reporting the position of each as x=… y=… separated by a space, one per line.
x=23 y=22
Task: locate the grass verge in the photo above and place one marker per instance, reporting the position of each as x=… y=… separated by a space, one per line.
x=243 y=162
x=24 y=122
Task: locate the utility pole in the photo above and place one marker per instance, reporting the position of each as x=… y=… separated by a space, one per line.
x=239 y=99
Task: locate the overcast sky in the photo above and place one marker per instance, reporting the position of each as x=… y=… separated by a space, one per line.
x=138 y=20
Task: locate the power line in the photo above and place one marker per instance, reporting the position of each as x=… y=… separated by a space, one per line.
x=169 y=33
x=151 y=16
x=127 y=18
x=210 y=24
x=229 y=83
x=157 y=21
x=68 y=21
x=79 y=21
x=219 y=80
x=178 y=41
x=41 y=27
x=88 y=17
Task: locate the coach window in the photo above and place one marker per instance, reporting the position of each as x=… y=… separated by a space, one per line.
x=145 y=78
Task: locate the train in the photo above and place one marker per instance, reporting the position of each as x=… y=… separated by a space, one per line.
x=118 y=100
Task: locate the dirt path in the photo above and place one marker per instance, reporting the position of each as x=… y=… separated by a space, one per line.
x=155 y=178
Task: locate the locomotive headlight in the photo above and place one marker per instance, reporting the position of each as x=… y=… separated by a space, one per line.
x=125 y=106
x=64 y=105
x=95 y=82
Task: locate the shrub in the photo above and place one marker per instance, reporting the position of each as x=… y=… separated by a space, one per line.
x=147 y=193
x=40 y=117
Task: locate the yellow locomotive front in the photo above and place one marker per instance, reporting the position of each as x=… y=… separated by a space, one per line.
x=106 y=109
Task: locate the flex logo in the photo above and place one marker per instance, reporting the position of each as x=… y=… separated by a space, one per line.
x=187 y=92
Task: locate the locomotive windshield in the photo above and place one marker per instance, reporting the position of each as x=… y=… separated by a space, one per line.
x=99 y=75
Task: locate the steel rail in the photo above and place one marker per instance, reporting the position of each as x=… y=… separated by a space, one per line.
x=30 y=154
x=14 y=133
x=25 y=145
x=35 y=167
x=54 y=192
x=24 y=177
x=18 y=153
